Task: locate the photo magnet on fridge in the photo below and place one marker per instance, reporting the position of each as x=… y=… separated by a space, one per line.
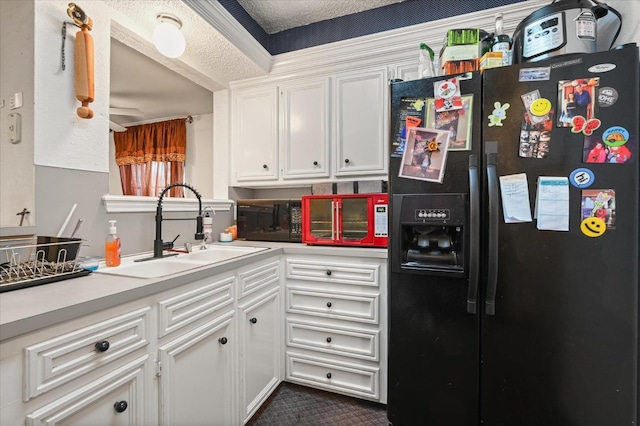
x=425 y=157
x=576 y=97
x=600 y=203
x=457 y=122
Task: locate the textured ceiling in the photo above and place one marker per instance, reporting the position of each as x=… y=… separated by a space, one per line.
x=279 y=15
x=160 y=88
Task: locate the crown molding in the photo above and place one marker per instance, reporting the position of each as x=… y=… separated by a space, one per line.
x=386 y=48
x=132 y=204
x=223 y=22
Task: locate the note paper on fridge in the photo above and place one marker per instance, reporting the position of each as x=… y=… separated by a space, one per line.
x=515 y=198
x=552 y=203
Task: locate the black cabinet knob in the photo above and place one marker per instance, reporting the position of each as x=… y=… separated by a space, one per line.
x=328 y=339
x=120 y=406
x=315 y=163
x=102 y=345
x=222 y=340
x=253 y=320
x=346 y=161
x=328 y=272
x=328 y=304
x=328 y=375
x=264 y=166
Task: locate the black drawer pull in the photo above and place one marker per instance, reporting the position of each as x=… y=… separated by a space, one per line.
x=120 y=406
x=102 y=345
x=328 y=375
x=328 y=304
x=328 y=339
x=328 y=272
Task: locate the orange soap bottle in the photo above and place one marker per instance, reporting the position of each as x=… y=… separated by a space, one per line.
x=112 y=246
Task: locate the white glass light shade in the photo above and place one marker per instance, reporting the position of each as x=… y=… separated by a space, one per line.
x=168 y=38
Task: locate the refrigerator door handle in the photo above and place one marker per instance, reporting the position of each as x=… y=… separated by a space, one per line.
x=494 y=215
x=474 y=234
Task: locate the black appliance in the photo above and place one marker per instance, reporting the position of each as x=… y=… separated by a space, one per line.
x=270 y=220
x=494 y=323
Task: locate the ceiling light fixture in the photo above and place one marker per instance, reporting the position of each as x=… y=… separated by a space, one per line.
x=167 y=36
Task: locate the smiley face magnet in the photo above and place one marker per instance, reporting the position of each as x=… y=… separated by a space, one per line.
x=540 y=107
x=593 y=227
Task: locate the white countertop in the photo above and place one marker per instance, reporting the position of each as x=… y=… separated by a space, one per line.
x=28 y=309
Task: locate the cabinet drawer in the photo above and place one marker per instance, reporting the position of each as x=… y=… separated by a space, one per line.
x=61 y=359
x=95 y=403
x=363 y=274
x=355 y=343
x=341 y=377
x=347 y=306
x=256 y=278
x=185 y=308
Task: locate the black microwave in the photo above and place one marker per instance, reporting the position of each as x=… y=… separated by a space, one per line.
x=270 y=220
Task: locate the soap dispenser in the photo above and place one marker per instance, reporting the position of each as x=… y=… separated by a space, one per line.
x=207 y=228
x=112 y=246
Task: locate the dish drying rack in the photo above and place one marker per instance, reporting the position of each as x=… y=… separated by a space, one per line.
x=39 y=263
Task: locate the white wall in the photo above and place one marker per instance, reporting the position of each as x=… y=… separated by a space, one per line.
x=16 y=75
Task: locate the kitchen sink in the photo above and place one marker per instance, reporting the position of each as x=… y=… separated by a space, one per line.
x=155 y=268
x=217 y=253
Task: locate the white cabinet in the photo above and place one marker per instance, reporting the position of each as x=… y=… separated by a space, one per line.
x=305 y=128
x=194 y=368
x=255 y=134
x=196 y=376
x=360 y=125
x=115 y=399
x=332 y=127
x=175 y=357
x=336 y=324
x=92 y=370
x=260 y=322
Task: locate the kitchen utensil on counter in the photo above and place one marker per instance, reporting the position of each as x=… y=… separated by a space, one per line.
x=66 y=221
x=78 y=225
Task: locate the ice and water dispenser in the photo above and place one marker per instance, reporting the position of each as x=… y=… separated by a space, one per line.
x=429 y=233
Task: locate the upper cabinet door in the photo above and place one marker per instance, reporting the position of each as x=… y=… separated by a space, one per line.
x=305 y=129
x=360 y=126
x=255 y=134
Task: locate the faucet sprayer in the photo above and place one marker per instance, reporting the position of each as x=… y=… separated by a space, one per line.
x=158 y=245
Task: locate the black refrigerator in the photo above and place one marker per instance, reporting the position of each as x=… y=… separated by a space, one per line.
x=513 y=258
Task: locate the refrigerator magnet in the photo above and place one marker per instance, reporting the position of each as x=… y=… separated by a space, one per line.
x=593 y=227
x=582 y=178
x=580 y=124
x=607 y=96
x=601 y=204
x=447 y=95
x=498 y=114
x=615 y=136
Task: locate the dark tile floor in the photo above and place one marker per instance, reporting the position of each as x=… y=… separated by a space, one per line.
x=292 y=404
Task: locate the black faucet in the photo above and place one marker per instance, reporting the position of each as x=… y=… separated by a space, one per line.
x=158 y=245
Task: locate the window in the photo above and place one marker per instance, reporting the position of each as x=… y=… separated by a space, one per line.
x=151 y=157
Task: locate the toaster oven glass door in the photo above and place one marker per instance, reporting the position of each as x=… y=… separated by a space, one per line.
x=322 y=221
x=354 y=219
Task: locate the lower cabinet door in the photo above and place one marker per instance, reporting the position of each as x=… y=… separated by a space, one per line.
x=195 y=376
x=113 y=400
x=260 y=351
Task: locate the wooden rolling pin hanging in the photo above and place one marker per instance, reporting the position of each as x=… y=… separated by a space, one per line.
x=83 y=58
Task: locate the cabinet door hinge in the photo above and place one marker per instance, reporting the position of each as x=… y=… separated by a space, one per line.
x=158 y=368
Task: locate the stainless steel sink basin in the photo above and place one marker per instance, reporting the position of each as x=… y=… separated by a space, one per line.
x=156 y=268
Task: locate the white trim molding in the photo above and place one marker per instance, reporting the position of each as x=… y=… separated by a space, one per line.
x=218 y=17
x=131 y=204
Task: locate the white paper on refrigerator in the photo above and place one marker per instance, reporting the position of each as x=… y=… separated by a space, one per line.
x=552 y=203
x=515 y=198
